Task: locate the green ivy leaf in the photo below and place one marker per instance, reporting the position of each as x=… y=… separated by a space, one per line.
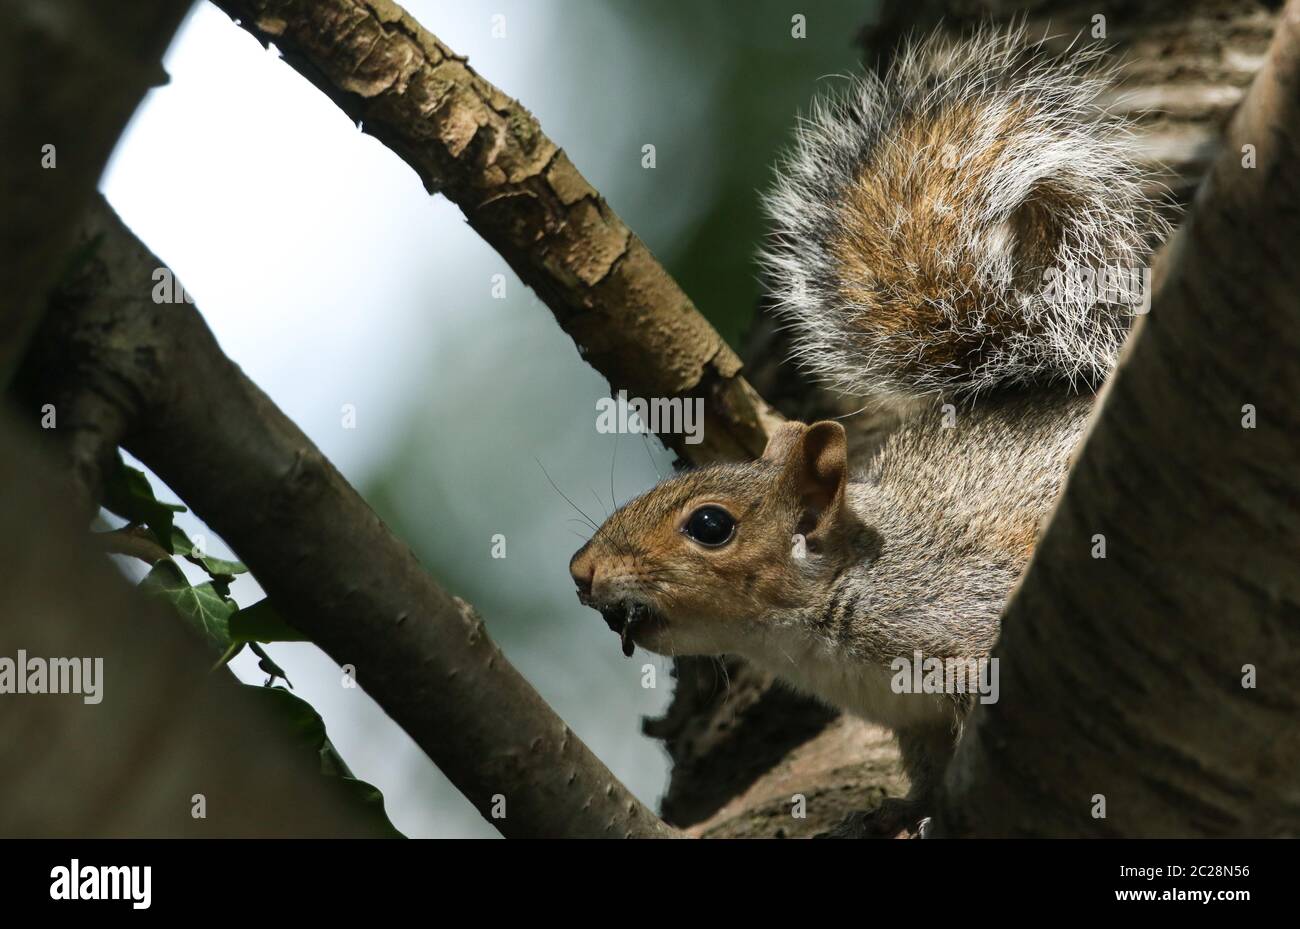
x=306 y=728
x=299 y=719
x=261 y=622
x=127 y=494
x=216 y=567
x=205 y=606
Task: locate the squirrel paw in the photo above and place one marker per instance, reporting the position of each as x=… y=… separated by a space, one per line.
x=895 y=818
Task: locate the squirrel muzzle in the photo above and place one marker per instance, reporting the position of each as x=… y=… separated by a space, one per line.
x=624 y=615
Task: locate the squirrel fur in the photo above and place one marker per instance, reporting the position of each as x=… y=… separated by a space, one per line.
x=917 y=212
x=914 y=222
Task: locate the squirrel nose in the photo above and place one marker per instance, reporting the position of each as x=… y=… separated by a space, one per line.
x=583 y=570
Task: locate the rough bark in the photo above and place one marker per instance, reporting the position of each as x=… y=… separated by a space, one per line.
x=485 y=152
x=1195 y=60
x=331 y=566
x=73 y=73
x=1141 y=656
x=165 y=730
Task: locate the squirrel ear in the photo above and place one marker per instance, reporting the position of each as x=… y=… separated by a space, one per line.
x=815 y=460
x=823 y=465
x=783 y=440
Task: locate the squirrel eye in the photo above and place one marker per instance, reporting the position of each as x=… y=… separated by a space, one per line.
x=710 y=525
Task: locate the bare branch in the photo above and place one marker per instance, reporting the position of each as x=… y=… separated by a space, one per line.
x=486 y=153
x=332 y=567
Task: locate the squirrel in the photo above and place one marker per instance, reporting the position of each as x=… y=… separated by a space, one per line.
x=918 y=221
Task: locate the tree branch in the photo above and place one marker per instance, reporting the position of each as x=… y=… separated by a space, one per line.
x=74 y=72
x=519 y=191
x=1144 y=657
x=333 y=569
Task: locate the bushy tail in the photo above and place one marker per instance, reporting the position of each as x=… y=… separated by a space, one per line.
x=936 y=229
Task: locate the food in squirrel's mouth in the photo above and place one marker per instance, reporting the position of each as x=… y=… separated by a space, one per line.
x=621 y=617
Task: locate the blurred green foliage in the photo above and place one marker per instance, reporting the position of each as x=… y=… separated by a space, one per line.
x=758 y=78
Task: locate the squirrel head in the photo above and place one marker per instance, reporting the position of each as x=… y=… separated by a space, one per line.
x=687 y=567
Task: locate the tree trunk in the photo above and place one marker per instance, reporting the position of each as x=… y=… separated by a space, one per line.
x=74 y=72
x=1172 y=661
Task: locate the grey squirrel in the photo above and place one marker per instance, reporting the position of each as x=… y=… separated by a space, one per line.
x=924 y=223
